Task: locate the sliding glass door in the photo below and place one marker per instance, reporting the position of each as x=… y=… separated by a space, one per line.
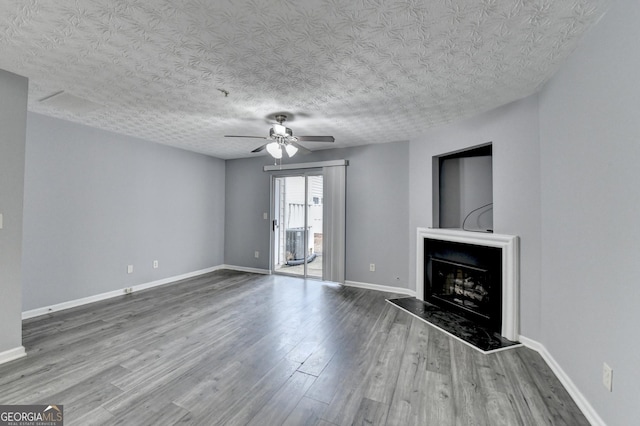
x=297 y=223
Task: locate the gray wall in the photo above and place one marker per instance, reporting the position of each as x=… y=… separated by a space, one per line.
x=377 y=214
x=247 y=196
x=513 y=129
x=449 y=196
x=13 y=116
x=590 y=156
x=97 y=201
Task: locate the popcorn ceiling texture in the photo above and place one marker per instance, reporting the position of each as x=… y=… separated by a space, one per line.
x=364 y=71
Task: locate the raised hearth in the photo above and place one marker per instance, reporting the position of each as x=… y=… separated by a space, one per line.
x=459 y=327
x=469 y=276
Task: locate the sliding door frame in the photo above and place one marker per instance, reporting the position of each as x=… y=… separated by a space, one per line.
x=334 y=211
x=272 y=239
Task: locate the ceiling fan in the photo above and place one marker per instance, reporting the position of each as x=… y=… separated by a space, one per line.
x=281 y=138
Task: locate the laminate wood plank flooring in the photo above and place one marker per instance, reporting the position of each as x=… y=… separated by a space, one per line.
x=234 y=348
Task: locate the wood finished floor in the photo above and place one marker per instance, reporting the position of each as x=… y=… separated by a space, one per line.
x=234 y=348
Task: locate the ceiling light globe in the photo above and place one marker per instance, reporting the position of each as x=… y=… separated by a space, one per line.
x=274 y=149
x=291 y=150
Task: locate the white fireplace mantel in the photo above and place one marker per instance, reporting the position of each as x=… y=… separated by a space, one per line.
x=509 y=244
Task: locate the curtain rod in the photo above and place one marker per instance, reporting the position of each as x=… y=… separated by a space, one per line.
x=312 y=165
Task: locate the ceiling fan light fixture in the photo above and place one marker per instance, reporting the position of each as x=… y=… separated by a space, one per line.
x=274 y=149
x=291 y=150
x=281 y=139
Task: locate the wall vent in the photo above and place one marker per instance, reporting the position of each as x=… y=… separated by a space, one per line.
x=67 y=102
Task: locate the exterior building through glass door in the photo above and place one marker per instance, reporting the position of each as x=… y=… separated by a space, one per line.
x=297 y=225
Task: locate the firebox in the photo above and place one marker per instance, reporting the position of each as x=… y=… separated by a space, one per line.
x=465 y=279
x=465 y=286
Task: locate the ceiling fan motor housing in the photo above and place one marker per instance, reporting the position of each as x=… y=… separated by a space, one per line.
x=273 y=133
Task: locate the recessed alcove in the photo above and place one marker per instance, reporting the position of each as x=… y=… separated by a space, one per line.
x=463 y=189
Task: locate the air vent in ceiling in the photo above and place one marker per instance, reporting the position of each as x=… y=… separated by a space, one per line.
x=67 y=102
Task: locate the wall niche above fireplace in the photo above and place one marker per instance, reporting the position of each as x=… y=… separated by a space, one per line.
x=463 y=189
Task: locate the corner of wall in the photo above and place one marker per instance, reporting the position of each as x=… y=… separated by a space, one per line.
x=577 y=396
x=13 y=119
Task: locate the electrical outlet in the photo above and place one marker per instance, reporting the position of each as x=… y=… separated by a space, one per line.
x=265 y=216
x=128 y=290
x=372 y=267
x=129 y=269
x=256 y=254
x=607 y=377
x=155 y=264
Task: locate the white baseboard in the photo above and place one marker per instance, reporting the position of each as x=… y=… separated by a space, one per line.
x=245 y=269
x=115 y=293
x=378 y=287
x=12 y=354
x=582 y=403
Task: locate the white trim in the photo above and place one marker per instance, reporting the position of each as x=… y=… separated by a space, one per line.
x=532 y=344
x=12 y=354
x=312 y=165
x=245 y=269
x=378 y=287
x=71 y=304
x=115 y=293
x=580 y=400
x=517 y=345
x=509 y=244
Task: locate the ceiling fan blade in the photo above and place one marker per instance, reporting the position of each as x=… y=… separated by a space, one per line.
x=316 y=138
x=253 y=137
x=260 y=148
x=301 y=148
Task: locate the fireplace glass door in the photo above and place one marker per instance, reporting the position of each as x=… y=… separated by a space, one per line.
x=466 y=287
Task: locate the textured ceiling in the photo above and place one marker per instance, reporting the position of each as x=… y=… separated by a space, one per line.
x=364 y=71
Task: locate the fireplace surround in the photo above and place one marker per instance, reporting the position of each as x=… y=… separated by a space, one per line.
x=464 y=277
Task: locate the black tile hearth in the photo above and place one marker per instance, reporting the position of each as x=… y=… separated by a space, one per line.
x=480 y=338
